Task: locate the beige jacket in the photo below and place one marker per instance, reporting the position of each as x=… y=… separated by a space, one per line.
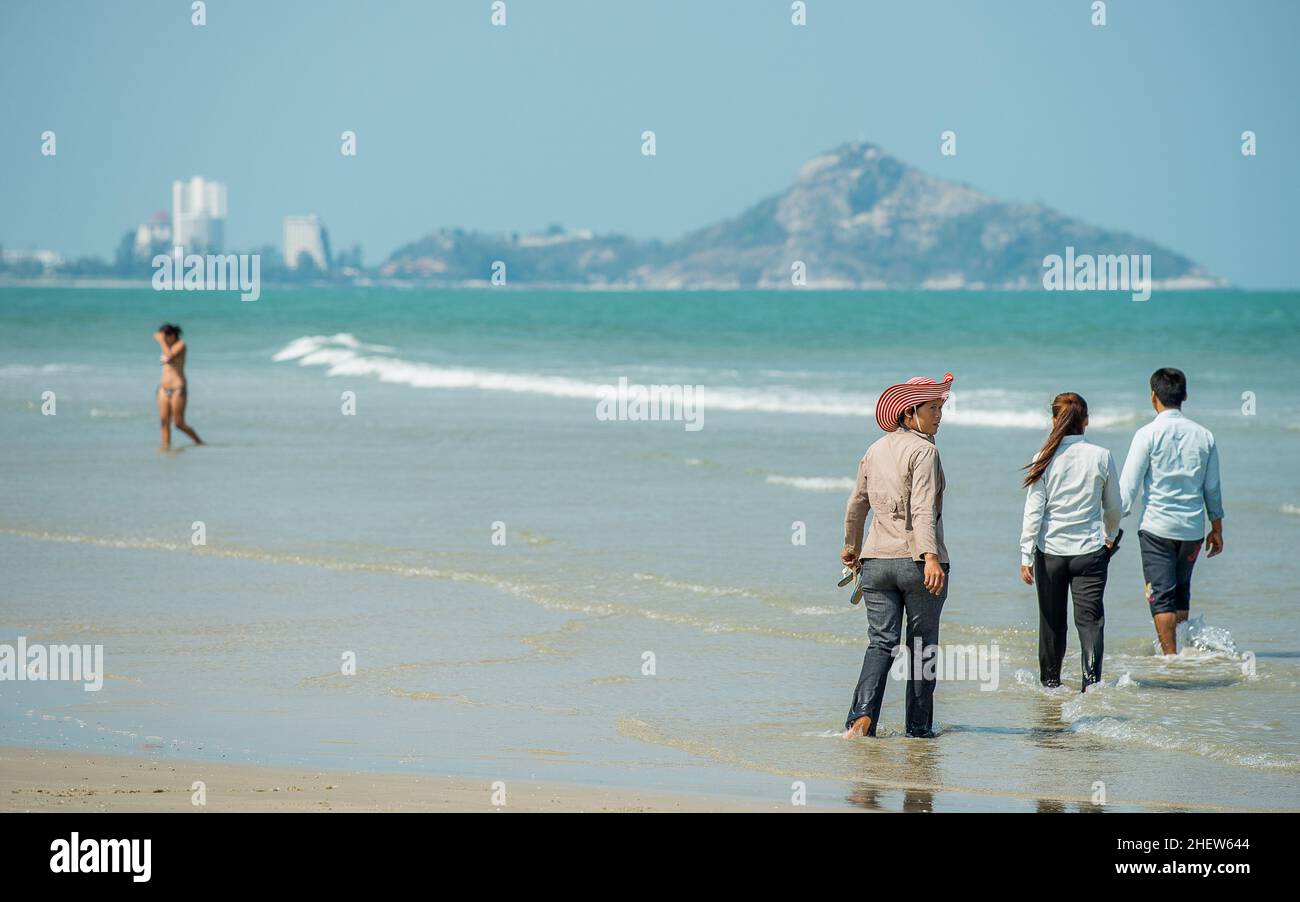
x=901 y=478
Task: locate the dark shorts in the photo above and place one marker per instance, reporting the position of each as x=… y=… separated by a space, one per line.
x=1167 y=568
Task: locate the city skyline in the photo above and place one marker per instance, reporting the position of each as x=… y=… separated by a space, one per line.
x=461 y=124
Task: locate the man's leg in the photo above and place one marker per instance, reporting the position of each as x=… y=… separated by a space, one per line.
x=1052 y=582
x=1188 y=552
x=1087 y=587
x=923 y=610
x=1160 y=569
x=884 y=605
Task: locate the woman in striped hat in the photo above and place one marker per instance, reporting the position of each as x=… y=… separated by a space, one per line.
x=903 y=567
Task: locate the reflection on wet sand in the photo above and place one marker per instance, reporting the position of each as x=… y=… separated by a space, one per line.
x=918 y=766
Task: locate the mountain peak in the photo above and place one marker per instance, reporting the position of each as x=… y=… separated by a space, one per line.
x=855 y=217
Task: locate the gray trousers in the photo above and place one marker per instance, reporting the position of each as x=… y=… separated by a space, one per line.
x=894 y=589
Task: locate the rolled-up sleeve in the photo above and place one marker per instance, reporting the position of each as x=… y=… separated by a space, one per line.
x=855 y=516
x=1213 y=490
x=925 y=490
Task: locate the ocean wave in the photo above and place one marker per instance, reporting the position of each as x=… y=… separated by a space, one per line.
x=812 y=483
x=344 y=355
x=531 y=593
x=22 y=369
x=1122 y=715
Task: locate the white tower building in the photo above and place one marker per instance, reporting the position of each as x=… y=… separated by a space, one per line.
x=199 y=215
x=305 y=234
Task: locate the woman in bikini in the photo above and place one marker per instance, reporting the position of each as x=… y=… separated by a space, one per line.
x=171 y=388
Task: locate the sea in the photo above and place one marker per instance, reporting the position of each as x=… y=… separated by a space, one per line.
x=420 y=538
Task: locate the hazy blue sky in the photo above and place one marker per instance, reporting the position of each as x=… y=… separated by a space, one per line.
x=1133 y=126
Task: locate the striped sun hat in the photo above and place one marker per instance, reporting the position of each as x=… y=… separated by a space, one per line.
x=897 y=398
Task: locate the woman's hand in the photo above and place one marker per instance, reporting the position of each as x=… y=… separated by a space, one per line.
x=1027 y=574
x=849 y=557
x=934 y=574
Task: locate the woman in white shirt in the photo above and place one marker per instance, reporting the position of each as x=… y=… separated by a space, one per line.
x=1072 y=514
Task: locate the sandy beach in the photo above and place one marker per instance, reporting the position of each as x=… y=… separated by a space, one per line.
x=41 y=780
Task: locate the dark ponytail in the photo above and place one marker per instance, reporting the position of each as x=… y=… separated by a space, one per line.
x=1068 y=413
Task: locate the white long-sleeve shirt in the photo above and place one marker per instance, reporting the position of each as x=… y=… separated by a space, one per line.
x=1075 y=507
x=1173 y=467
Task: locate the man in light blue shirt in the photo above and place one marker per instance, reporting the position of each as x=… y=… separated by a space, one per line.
x=1173 y=464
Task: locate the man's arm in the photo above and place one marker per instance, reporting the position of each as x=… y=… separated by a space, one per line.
x=1214 y=501
x=855 y=516
x=1135 y=471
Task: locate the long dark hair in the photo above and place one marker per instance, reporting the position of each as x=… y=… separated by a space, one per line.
x=1068 y=413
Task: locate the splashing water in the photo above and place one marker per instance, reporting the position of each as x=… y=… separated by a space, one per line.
x=1195 y=633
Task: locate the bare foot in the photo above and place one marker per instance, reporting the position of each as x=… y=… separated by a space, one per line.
x=859 y=728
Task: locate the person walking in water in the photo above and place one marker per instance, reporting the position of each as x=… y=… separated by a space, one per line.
x=1173 y=464
x=172 y=386
x=1072 y=514
x=903 y=567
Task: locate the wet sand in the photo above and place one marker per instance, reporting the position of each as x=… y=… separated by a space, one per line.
x=41 y=780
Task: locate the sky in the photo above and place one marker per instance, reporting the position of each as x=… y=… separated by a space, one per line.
x=1135 y=125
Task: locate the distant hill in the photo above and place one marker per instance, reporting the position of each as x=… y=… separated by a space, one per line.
x=855 y=216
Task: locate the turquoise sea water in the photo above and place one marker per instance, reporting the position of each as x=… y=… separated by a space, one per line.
x=373 y=534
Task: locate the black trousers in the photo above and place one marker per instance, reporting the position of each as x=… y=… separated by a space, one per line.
x=1057 y=577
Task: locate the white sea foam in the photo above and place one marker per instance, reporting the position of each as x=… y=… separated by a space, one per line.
x=1291 y=509
x=21 y=369
x=344 y=355
x=1197 y=640
x=812 y=483
x=1123 y=718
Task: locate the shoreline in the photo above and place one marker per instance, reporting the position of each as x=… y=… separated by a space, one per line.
x=401 y=284
x=43 y=780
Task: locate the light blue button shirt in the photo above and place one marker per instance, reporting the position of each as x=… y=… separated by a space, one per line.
x=1074 y=507
x=1174 y=465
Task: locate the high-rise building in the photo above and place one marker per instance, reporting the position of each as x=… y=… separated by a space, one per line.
x=306 y=235
x=199 y=215
x=153 y=237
